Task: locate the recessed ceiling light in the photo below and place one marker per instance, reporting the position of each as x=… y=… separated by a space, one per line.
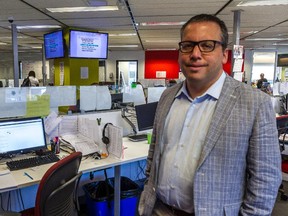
x=128 y=46
x=9 y=37
x=161 y=23
x=39 y=27
x=266 y=39
x=122 y=35
x=163 y=41
x=280 y=44
x=250 y=32
x=37 y=47
x=162 y=49
x=263 y=2
x=82 y=9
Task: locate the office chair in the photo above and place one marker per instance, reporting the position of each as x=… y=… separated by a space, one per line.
x=56 y=194
x=282 y=126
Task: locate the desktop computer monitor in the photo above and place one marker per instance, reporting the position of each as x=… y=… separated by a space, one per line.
x=117 y=97
x=145 y=114
x=22 y=135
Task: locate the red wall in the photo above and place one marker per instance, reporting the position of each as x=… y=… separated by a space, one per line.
x=161 y=61
x=168 y=61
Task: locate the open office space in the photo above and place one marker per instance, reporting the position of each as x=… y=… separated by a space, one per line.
x=89 y=61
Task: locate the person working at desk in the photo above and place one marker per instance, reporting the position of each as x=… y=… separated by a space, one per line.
x=214 y=147
x=261 y=81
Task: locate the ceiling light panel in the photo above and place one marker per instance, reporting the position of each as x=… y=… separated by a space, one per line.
x=82 y=9
x=263 y=3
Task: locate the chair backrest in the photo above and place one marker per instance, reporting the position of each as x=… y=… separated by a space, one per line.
x=56 y=191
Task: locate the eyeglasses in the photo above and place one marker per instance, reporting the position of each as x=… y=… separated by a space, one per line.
x=204 y=46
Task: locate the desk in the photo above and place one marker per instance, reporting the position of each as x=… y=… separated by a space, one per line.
x=134 y=151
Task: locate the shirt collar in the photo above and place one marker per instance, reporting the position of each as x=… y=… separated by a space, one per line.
x=214 y=90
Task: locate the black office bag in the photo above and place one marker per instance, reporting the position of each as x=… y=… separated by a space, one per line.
x=26 y=82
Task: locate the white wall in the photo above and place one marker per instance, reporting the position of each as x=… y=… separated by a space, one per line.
x=7 y=71
x=124 y=55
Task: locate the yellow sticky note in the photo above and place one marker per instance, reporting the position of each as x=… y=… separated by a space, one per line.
x=38 y=105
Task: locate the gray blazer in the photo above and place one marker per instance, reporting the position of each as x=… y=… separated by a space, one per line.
x=242 y=139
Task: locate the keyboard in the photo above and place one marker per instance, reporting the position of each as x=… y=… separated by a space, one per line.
x=31 y=162
x=137 y=137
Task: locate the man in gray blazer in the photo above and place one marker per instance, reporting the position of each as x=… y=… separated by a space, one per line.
x=214 y=148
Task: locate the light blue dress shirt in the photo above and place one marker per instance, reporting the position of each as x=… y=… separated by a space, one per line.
x=185 y=130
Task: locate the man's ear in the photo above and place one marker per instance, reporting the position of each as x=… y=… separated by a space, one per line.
x=225 y=56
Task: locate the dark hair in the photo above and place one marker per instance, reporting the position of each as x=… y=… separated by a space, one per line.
x=32 y=73
x=208 y=18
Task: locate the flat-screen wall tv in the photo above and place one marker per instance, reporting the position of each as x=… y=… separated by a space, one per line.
x=85 y=44
x=282 y=60
x=54 y=45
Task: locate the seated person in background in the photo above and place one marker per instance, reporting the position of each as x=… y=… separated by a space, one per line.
x=261 y=80
x=1 y=84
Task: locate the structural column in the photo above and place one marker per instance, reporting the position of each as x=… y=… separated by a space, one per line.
x=236 y=34
x=15 y=55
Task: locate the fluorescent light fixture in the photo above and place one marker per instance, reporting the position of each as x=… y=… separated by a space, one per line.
x=280 y=44
x=9 y=37
x=163 y=41
x=36 y=47
x=250 y=32
x=162 y=49
x=128 y=46
x=263 y=2
x=266 y=39
x=2 y=43
x=122 y=35
x=39 y=27
x=161 y=23
x=82 y=9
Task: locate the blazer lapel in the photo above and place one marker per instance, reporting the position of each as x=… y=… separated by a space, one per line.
x=226 y=102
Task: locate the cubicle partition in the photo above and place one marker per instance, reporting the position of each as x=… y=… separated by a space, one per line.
x=40 y=101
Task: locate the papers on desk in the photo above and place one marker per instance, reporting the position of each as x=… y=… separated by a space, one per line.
x=115 y=146
x=81 y=143
x=6 y=180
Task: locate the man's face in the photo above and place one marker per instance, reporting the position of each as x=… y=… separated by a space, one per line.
x=197 y=66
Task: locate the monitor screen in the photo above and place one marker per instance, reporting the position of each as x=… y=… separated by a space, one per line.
x=282 y=60
x=145 y=114
x=22 y=135
x=117 y=97
x=54 y=45
x=84 y=44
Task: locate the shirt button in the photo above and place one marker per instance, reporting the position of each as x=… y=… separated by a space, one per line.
x=172 y=186
x=175 y=165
